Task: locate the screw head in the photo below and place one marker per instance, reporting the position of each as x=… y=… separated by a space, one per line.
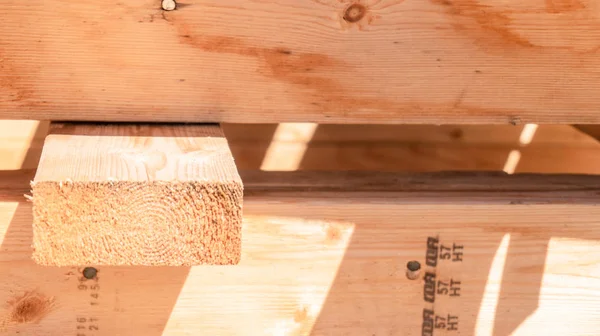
x=413 y=269
x=168 y=5
x=89 y=272
x=413 y=266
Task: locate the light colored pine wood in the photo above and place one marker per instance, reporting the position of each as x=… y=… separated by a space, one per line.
x=423 y=158
x=332 y=262
x=119 y=194
x=330 y=61
x=21 y=143
x=415 y=148
x=553 y=148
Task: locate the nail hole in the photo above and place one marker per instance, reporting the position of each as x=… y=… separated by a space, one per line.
x=90 y=272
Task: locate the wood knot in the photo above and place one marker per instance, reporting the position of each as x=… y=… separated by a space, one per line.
x=31 y=307
x=333 y=235
x=355 y=13
x=300 y=315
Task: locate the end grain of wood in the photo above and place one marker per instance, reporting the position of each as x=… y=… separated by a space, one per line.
x=136 y=195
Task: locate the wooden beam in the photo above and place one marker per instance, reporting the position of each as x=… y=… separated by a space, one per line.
x=321 y=259
x=136 y=195
x=391 y=61
x=401 y=148
x=414 y=148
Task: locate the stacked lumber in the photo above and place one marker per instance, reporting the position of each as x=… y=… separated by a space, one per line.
x=136 y=195
x=325 y=253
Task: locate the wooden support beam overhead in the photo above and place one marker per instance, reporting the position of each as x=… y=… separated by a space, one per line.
x=136 y=195
x=325 y=256
x=330 y=61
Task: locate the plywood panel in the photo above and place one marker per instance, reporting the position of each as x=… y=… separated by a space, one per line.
x=328 y=61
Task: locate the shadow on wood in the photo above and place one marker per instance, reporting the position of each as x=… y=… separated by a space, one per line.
x=414 y=148
x=37 y=300
x=500 y=284
x=40 y=299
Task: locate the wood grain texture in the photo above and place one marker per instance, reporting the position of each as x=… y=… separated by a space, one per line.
x=134 y=194
x=21 y=143
x=497 y=135
x=416 y=148
x=330 y=61
x=399 y=148
x=333 y=263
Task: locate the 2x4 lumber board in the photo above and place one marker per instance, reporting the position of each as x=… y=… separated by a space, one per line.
x=492 y=135
x=417 y=148
x=132 y=194
x=334 y=263
x=331 y=61
x=413 y=148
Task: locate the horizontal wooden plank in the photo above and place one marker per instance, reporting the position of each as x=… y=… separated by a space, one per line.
x=446 y=183
x=420 y=157
x=327 y=61
x=316 y=265
x=399 y=148
x=488 y=135
x=414 y=148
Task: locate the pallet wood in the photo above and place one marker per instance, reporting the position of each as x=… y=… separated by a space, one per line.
x=118 y=194
x=331 y=61
x=332 y=262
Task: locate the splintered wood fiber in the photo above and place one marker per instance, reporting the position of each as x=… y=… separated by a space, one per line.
x=121 y=196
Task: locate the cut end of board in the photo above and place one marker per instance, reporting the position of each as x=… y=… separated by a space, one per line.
x=153 y=195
